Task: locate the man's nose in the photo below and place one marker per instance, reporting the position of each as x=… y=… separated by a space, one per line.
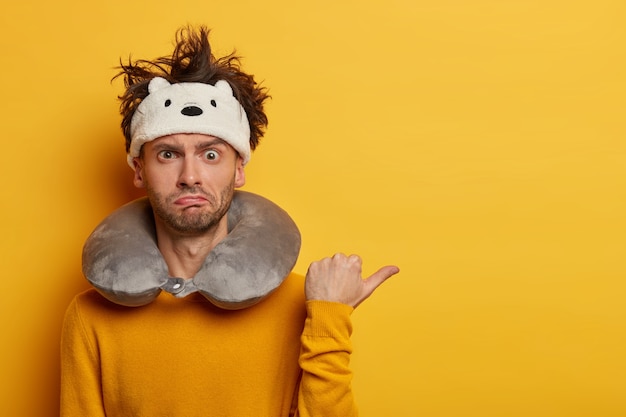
x=190 y=173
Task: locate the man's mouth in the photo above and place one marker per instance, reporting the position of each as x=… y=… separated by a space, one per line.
x=190 y=200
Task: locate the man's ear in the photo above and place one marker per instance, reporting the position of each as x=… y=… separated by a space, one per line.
x=240 y=173
x=138 y=167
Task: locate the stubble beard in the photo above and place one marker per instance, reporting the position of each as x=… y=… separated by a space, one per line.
x=191 y=222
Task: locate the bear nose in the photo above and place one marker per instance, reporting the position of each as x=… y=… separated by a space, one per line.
x=191 y=111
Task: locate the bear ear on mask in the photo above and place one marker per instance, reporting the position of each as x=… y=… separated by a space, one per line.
x=122 y=261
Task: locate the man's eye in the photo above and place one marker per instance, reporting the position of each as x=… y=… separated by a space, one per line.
x=166 y=155
x=211 y=155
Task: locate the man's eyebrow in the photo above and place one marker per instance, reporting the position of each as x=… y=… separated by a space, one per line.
x=167 y=146
x=212 y=142
x=173 y=146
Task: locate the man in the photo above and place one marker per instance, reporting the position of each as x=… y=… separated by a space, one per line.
x=287 y=352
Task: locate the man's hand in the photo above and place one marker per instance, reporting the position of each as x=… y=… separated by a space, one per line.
x=338 y=279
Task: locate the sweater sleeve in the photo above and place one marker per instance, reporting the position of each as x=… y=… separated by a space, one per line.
x=81 y=390
x=326 y=384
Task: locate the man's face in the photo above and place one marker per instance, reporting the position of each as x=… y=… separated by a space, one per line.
x=190 y=180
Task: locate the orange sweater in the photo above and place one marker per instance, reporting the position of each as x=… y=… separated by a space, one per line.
x=187 y=358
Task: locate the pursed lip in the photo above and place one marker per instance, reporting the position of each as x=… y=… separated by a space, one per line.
x=190 y=200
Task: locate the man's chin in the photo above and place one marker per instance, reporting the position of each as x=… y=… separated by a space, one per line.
x=192 y=225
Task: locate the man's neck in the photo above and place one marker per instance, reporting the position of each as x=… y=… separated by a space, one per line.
x=185 y=254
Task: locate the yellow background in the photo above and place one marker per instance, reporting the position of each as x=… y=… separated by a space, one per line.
x=479 y=145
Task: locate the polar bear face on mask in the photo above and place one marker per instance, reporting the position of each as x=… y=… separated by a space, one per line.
x=190 y=108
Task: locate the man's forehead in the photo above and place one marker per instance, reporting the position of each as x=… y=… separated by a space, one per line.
x=188 y=139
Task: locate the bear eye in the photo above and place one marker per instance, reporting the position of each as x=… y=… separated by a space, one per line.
x=168 y=102
x=213 y=103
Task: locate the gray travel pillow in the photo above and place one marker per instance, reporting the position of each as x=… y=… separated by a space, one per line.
x=122 y=261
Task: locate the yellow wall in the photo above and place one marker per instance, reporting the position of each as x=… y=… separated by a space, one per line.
x=480 y=145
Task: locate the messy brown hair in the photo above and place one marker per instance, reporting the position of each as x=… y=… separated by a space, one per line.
x=193 y=61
